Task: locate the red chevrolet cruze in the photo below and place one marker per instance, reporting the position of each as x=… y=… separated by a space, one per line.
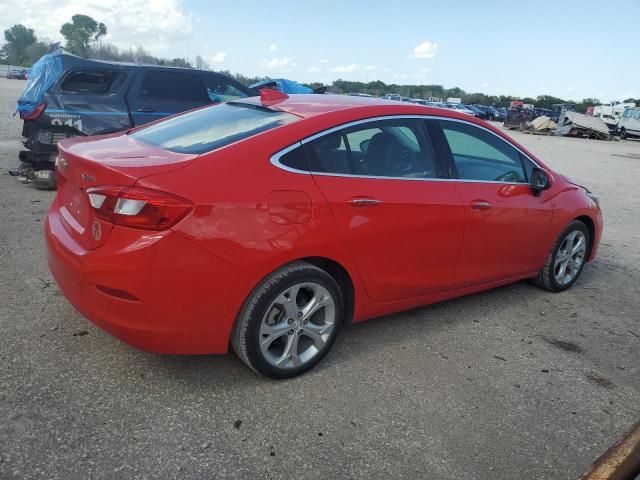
x=270 y=223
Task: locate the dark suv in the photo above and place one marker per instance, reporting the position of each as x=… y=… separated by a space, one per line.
x=69 y=96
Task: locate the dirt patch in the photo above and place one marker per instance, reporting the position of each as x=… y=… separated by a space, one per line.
x=564 y=345
x=599 y=380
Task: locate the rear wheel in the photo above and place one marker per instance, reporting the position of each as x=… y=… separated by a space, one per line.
x=289 y=322
x=623 y=134
x=567 y=258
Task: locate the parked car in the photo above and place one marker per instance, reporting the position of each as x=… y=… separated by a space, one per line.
x=460 y=108
x=18 y=74
x=271 y=223
x=629 y=123
x=69 y=96
x=476 y=111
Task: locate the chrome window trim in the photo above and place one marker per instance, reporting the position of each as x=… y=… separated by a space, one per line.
x=275 y=158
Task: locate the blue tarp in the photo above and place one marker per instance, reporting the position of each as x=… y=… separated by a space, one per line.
x=42 y=76
x=284 y=85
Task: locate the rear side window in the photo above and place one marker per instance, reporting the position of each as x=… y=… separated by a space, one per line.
x=177 y=86
x=295 y=159
x=395 y=148
x=209 y=128
x=92 y=81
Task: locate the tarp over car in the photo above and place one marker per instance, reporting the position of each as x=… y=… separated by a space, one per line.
x=577 y=124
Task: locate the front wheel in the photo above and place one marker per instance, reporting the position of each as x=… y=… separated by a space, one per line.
x=289 y=322
x=623 y=134
x=567 y=258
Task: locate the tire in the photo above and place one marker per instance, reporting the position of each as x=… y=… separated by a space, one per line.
x=280 y=339
x=623 y=134
x=562 y=268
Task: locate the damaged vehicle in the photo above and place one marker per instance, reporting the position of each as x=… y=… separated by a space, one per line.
x=68 y=96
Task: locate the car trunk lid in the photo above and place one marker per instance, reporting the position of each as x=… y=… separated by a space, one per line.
x=116 y=160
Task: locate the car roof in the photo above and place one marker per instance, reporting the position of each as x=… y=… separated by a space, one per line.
x=314 y=105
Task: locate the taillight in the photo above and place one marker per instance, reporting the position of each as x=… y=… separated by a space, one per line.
x=138 y=207
x=35 y=113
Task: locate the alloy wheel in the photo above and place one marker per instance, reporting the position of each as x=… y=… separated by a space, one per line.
x=297 y=325
x=570 y=257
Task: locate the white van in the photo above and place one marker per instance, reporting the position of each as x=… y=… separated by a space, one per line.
x=629 y=123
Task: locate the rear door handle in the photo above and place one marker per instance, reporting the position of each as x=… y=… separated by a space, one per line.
x=364 y=202
x=145 y=109
x=481 y=205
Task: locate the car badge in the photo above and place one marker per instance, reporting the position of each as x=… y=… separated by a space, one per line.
x=88 y=178
x=96 y=230
x=62 y=164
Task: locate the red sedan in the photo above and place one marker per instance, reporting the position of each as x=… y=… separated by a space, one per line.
x=270 y=223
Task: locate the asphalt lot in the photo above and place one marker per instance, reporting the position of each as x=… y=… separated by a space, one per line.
x=511 y=383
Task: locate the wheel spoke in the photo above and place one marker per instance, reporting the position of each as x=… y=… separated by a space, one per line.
x=316 y=303
x=317 y=332
x=272 y=332
x=579 y=246
x=288 y=301
x=290 y=352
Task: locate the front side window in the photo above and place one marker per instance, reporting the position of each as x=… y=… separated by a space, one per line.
x=480 y=155
x=220 y=90
x=384 y=148
x=637 y=114
x=210 y=128
x=176 y=86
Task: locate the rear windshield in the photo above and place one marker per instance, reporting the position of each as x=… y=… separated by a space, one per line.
x=207 y=129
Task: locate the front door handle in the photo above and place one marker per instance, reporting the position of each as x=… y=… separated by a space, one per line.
x=364 y=202
x=145 y=109
x=481 y=205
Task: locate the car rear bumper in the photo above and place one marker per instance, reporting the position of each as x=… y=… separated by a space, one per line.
x=157 y=292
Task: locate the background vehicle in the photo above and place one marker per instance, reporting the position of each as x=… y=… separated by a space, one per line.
x=478 y=112
x=68 y=96
x=629 y=123
x=18 y=74
x=460 y=108
x=267 y=223
x=611 y=113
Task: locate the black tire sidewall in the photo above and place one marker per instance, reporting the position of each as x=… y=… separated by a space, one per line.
x=265 y=299
x=577 y=225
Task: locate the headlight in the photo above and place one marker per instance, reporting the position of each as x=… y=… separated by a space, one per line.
x=594 y=197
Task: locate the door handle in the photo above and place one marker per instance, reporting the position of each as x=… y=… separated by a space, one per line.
x=364 y=202
x=481 y=205
x=145 y=109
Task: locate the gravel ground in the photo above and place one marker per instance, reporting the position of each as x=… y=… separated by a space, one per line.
x=511 y=383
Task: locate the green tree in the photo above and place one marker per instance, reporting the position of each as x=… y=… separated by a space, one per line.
x=19 y=39
x=82 y=33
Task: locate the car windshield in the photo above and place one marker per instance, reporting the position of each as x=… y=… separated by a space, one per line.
x=214 y=127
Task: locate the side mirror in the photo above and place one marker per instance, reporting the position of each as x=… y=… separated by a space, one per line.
x=539 y=180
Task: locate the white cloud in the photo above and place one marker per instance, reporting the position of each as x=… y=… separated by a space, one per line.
x=570 y=89
x=218 y=57
x=313 y=69
x=425 y=50
x=273 y=47
x=157 y=25
x=484 y=85
x=370 y=68
x=276 y=62
x=425 y=69
x=354 y=67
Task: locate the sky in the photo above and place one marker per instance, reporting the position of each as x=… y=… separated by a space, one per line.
x=570 y=49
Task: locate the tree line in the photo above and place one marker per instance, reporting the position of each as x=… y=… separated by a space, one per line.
x=83 y=38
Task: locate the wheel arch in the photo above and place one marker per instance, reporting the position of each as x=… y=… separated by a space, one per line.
x=588 y=221
x=341 y=275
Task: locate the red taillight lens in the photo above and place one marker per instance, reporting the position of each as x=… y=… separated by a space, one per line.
x=138 y=207
x=35 y=113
